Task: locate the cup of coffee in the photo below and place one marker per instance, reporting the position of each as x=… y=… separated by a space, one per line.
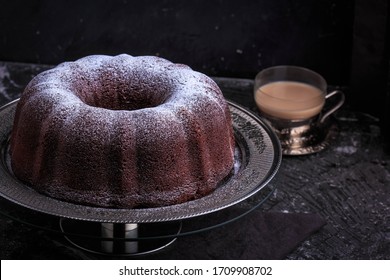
x=292 y=100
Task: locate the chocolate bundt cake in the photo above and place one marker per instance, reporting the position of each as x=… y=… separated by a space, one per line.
x=122 y=132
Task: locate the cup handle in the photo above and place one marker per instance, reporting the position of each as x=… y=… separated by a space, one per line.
x=336 y=106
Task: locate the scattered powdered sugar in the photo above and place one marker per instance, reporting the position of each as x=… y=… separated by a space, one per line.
x=347 y=150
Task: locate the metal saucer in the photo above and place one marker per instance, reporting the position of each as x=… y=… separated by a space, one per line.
x=307 y=139
x=303 y=137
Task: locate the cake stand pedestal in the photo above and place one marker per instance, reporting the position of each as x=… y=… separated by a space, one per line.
x=120 y=239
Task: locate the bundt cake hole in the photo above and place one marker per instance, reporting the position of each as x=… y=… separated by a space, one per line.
x=122 y=99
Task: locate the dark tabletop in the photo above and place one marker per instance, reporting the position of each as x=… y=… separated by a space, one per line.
x=348 y=185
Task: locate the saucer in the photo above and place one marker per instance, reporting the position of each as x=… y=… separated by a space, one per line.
x=308 y=138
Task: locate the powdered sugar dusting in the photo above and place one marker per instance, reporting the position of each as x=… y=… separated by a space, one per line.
x=150 y=126
x=177 y=83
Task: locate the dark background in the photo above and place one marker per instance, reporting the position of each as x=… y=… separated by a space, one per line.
x=344 y=40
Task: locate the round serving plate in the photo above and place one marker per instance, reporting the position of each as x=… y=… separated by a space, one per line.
x=257 y=160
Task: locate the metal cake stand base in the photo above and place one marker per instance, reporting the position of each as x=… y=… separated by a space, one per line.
x=120 y=239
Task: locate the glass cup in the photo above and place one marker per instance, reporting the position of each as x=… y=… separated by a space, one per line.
x=292 y=100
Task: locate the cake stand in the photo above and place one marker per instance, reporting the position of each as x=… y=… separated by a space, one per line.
x=140 y=231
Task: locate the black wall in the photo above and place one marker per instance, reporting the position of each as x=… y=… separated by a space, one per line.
x=220 y=38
